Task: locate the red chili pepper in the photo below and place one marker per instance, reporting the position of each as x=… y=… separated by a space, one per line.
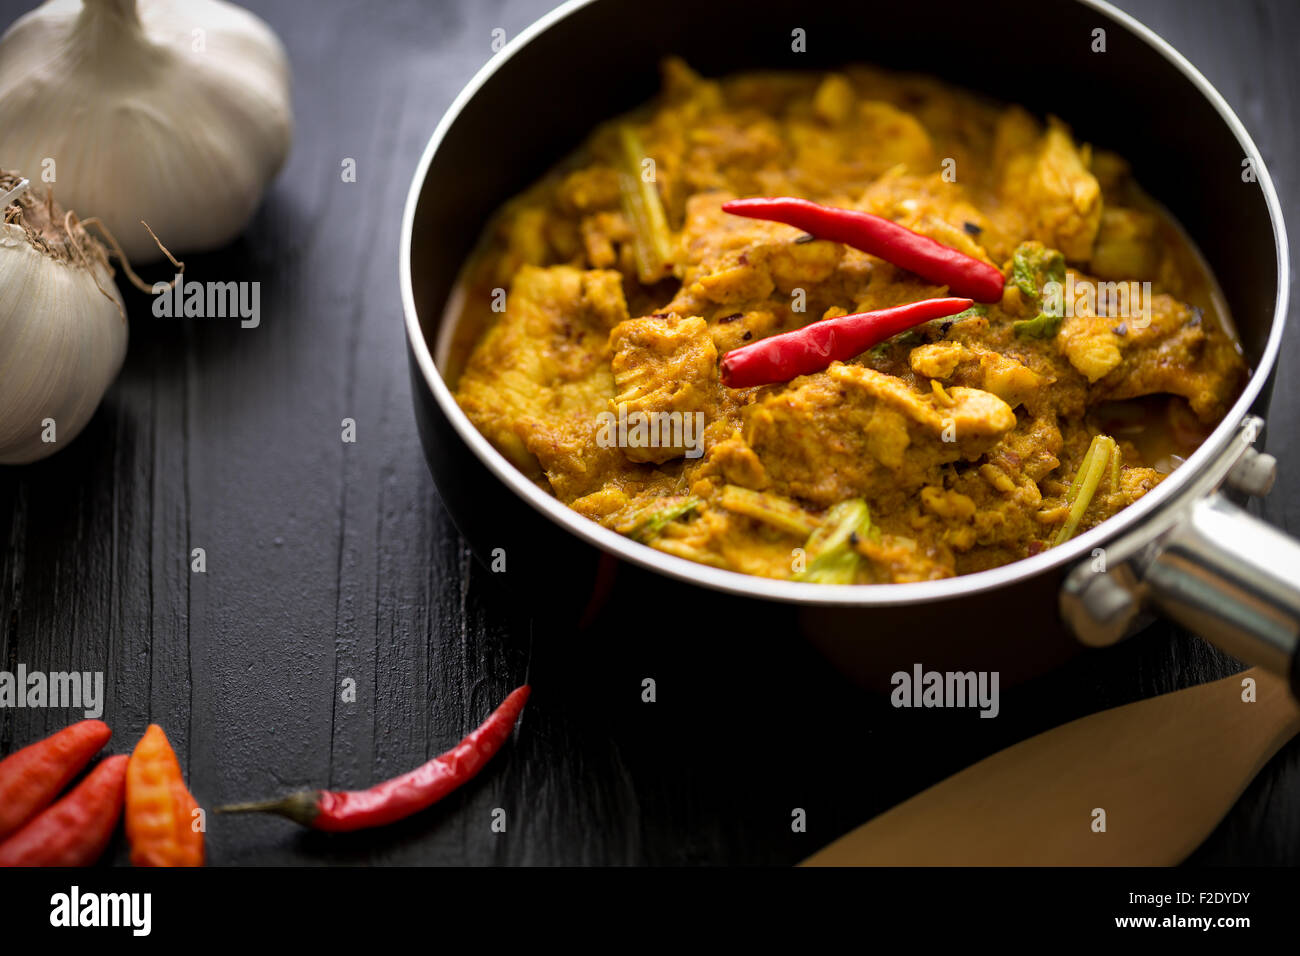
x=779 y=358
x=931 y=260
x=35 y=775
x=75 y=830
x=340 y=810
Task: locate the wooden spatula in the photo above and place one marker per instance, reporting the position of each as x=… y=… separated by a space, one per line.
x=1163 y=770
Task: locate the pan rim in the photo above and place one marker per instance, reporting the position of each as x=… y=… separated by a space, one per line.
x=1056 y=559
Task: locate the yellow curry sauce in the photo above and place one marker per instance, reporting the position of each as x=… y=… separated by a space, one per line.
x=962 y=445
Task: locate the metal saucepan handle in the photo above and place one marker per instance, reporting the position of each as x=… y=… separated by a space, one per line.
x=1206 y=563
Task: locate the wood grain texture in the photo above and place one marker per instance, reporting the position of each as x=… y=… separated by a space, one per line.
x=329 y=561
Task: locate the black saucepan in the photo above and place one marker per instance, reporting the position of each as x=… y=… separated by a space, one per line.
x=1185 y=550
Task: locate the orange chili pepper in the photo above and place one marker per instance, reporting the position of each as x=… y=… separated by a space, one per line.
x=159 y=809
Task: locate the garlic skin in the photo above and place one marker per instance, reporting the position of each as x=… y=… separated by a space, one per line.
x=175 y=112
x=63 y=329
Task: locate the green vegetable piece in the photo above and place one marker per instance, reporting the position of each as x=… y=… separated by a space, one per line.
x=880 y=350
x=1085 y=484
x=838 y=567
x=1033 y=268
x=972 y=312
x=1042 y=326
x=771 y=509
x=644 y=209
x=832 y=559
x=840 y=522
x=921 y=334
x=653 y=522
x=1033 y=265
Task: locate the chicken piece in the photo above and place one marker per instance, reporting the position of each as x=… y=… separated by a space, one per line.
x=1030 y=450
x=1016 y=137
x=712 y=240
x=736 y=283
x=872 y=137
x=933 y=206
x=600 y=234
x=665 y=375
x=1046 y=179
x=892 y=137
x=945 y=503
x=1114 y=176
x=800 y=265
x=1127 y=245
x=1091 y=344
x=852 y=431
x=897 y=558
x=939 y=359
x=834 y=99
x=977 y=367
x=737 y=463
x=523 y=232
x=540 y=376
x=1174 y=350
x=743 y=264
x=589 y=190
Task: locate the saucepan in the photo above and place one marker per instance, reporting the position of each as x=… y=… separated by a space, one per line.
x=1189 y=549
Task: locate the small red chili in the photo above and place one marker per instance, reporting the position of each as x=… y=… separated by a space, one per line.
x=931 y=260
x=33 y=776
x=74 y=831
x=779 y=358
x=340 y=810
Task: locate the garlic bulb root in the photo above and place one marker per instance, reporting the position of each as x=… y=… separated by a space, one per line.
x=63 y=329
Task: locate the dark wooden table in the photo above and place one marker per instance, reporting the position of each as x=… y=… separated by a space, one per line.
x=329 y=561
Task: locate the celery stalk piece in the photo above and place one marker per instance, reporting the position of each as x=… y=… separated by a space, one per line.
x=771 y=509
x=834 y=567
x=645 y=212
x=652 y=521
x=681 y=549
x=1085 y=484
x=832 y=559
x=839 y=524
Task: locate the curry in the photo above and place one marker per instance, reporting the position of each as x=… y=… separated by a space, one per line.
x=592 y=323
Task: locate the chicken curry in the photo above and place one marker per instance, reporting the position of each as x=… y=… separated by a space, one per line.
x=590 y=326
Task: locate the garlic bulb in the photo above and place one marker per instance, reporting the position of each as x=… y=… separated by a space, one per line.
x=175 y=112
x=62 y=325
